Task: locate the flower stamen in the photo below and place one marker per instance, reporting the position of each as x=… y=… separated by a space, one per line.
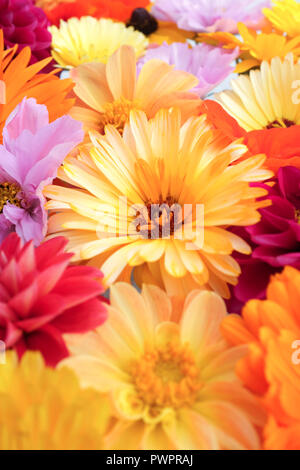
x=167 y=376
x=8 y=194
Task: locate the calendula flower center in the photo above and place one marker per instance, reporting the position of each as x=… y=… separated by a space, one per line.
x=160 y=219
x=167 y=376
x=8 y=194
x=280 y=123
x=117 y=114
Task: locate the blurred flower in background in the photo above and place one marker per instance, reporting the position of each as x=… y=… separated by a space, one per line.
x=205 y=15
x=211 y=65
x=24 y=24
x=45 y=409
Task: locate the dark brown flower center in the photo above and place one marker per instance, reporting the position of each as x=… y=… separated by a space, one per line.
x=161 y=219
x=143 y=21
x=282 y=123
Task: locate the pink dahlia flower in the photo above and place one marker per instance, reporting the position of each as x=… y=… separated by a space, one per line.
x=210 y=15
x=31 y=153
x=275 y=240
x=25 y=24
x=42 y=297
x=211 y=65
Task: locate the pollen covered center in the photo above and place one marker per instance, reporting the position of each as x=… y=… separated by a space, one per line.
x=117 y=114
x=283 y=123
x=167 y=377
x=8 y=194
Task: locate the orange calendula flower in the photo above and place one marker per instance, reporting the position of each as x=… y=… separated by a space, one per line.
x=172 y=383
x=159 y=199
x=254 y=47
x=271 y=328
x=18 y=80
x=107 y=93
x=280 y=145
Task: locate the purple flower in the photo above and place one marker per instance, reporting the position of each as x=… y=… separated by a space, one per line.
x=210 y=15
x=275 y=240
x=211 y=65
x=31 y=153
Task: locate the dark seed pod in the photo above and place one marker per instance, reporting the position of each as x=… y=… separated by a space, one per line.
x=143 y=21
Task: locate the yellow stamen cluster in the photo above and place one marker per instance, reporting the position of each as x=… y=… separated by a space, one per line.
x=8 y=193
x=167 y=376
x=117 y=114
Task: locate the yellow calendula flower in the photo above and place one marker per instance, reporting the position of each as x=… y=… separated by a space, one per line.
x=267 y=98
x=160 y=199
x=45 y=409
x=284 y=16
x=107 y=93
x=87 y=39
x=255 y=47
x=172 y=383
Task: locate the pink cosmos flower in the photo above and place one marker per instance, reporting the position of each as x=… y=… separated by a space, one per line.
x=31 y=153
x=210 y=15
x=211 y=65
x=42 y=297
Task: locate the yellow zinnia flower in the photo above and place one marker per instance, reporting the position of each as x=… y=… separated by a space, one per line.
x=285 y=16
x=45 y=409
x=107 y=93
x=267 y=98
x=255 y=47
x=159 y=164
x=87 y=39
x=172 y=383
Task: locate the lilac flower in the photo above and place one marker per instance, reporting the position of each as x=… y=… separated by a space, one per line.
x=211 y=65
x=31 y=153
x=210 y=15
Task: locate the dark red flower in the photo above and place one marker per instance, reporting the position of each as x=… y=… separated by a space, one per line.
x=25 y=24
x=42 y=297
x=275 y=240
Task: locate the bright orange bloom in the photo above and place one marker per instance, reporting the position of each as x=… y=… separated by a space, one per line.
x=115 y=9
x=271 y=328
x=281 y=145
x=20 y=80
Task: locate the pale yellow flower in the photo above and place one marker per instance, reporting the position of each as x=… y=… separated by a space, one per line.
x=87 y=39
x=172 y=383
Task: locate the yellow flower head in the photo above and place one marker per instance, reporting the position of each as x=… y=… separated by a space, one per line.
x=107 y=93
x=267 y=98
x=172 y=383
x=255 y=47
x=45 y=409
x=285 y=16
x=87 y=39
x=127 y=189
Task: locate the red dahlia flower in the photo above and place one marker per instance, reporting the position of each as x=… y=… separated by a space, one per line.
x=42 y=297
x=25 y=24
